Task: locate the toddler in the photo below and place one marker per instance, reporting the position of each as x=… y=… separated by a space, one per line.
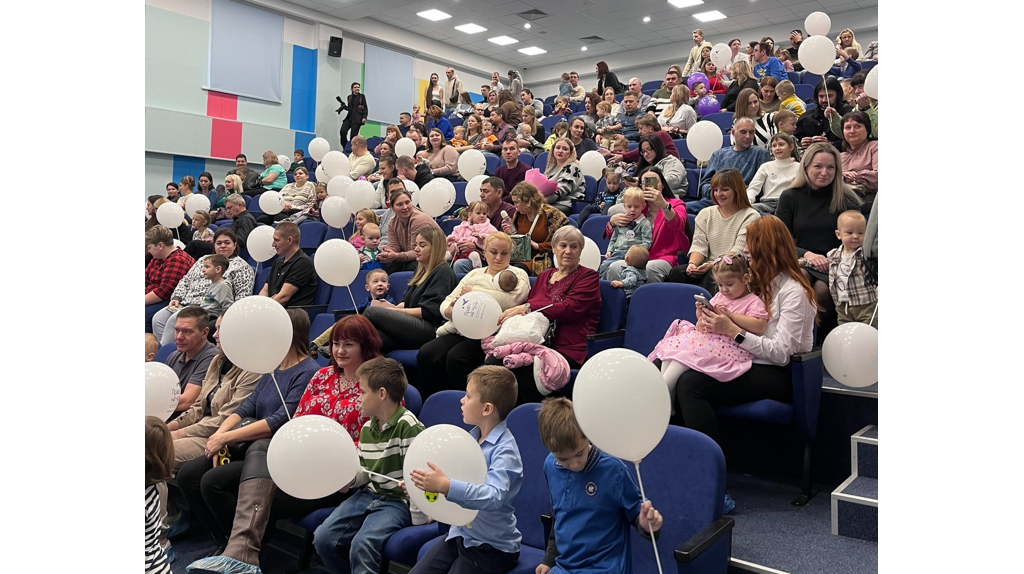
x=561 y=107
x=200 y=222
x=487 y=131
x=475 y=228
x=559 y=131
x=152 y=346
x=686 y=346
x=699 y=90
x=377 y=286
x=605 y=199
x=783 y=55
x=459 y=137
x=526 y=141
x=220 y=294
x=634 y=274
x=159 y=468
x=786 y=92
x=608 y=124
x=785 y=122
x=321 y=196
x=417 y=117
x=855 y=300
x=371 y=246
x=637 y=232
x=363 y=216
x=618 y=148
x=565 y=88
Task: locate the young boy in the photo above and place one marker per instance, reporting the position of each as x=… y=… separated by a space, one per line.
x=377 y=286
x=855 y=300
x=594 y=498
x=353 y=536
x=607 y=198
x=459 y=136
x=564 y=87
x=297 y=162
x=785 y=121
x=608 y=125
x=637 y=232
x=152 y=346
x=371 y=246
x=786 y=92
x=634 y=274
x=492 y=545
x=219 y=295
x=699 y=90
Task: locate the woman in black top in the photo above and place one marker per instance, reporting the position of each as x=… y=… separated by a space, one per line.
x=414 y=322
x=357 y=111
x=742 y=78
x=607 y=79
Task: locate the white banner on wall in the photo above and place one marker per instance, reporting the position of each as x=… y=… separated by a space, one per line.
x=388 y=83
x=245 y=51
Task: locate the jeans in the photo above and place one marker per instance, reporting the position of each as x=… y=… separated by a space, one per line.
x=657 y=270
x=462 y=266
x=602 y=270
x=694 y=207
x=358 y=530
x=160 y=320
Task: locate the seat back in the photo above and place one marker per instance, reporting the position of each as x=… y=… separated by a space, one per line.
x=594 y=227
x=261 y=280
x=590 y=191
x=651 y=85
x=163 y=352
x=693 y=182
x=810 y=79
x=460 y=194
x=541 y=162
x=721 y=119
x=526 y=158
x=652 y=309
x=413 y=401
x=804 y=92
x=311 y=235
x=456 y=121
x=449 y=225
x=443 y=407
x=613 y=308
x=493 y=163
x=340 y=298
x=534 y=499
x=691 y=458
x=551 y=121
x=399 y=283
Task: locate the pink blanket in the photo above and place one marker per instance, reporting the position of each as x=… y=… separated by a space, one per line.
x=550 y=369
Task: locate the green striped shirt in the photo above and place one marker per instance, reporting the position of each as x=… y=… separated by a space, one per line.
x=383 y=450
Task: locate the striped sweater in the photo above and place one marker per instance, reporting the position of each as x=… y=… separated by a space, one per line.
x=156 y=560
x=382 y=450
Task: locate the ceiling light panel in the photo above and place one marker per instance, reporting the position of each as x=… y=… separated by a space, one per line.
x=503 y=40
x=532 y=51
x=709 y=16
x=434 y=15
x=470 y=28
x=685 y=3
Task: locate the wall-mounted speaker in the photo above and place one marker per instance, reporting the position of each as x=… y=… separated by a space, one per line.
x=334 y=48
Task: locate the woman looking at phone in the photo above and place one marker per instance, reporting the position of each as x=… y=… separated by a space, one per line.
x=668 y=219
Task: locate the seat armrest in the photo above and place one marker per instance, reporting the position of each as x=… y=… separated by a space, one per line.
x=807 y=371
x=691 y=549
x=308 y=308
x=805 y=357
x=607 y=335
x=343 y=312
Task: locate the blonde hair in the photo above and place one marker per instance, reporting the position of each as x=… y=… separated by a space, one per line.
x=236 y=183
x=785 y=89
x=633 y=193
x=679 y=98
x=604 y=106
x=741 y=72
x=497 y=236
x=438 y=243
x=553 y=165
x=204 y=215
x=369 y=216
x=557 y=424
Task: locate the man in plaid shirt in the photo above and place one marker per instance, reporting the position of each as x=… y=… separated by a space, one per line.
x=168 y=266
x=855 y=300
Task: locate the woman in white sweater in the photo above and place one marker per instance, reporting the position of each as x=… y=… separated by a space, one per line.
x=776 y=176
x=719 y=230
x=678 y=117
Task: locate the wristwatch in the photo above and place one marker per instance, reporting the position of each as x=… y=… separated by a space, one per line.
x=740 y=337
x=527 y=307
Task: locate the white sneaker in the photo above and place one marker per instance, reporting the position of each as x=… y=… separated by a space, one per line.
x=475 y=258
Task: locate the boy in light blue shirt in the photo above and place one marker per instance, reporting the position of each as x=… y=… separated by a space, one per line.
x=492 y=545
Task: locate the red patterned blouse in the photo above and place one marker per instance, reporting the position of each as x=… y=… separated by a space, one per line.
x=331 y=395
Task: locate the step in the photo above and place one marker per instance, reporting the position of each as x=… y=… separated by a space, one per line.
x=864 y=452
x=855 y=508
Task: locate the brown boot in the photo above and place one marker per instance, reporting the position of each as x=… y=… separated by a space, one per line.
x=251 y=516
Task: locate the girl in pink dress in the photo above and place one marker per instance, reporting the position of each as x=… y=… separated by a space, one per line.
x=686 y=346
x=475 y=228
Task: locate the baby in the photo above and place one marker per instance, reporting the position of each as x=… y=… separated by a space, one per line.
x=634 y=274
x=527 y=143
x=565 y=88
x=855 y=300
x=506 y=281
x=459 y=138
x=488 y=139
x=152 y=345
x=371 y=246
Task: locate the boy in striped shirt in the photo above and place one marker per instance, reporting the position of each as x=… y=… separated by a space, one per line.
x=353 y=536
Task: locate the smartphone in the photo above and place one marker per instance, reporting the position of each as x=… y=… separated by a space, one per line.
x=703 y=301
x=650 y=181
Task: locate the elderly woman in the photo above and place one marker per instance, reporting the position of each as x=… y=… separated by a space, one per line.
x=569 y=294
x=439 y=122
x=860 y=154
x=193 y=286
x=720 y=230
x=668 y=217
x=445 y=361
x=400 y=252
x=212 y=489
x=652 y=153
x=774 y=277
x=414 y=322
x=298 y=197
x=564 y=170
x=443 y=159
x=809 y=210
x=528 y=220
x=332 y=392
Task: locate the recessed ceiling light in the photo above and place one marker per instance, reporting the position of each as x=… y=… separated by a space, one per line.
x=532 y=51
x=685 y=3
x=470 y=28
x=709 y=16
x=503 y=40
x=527 y=25
x=584 y=48
x=433 y=15
x=647 y=18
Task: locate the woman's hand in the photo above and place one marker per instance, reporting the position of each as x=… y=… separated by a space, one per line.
x=174 y=303
x=863 y=101
x=535 y=245
x=619 y=219
x=694 y=270
x=718 y=323
x=654 y=198
x=506 y=228
x=381 y=303
x=465 y=289
x=511 y=312
x=850 y=176
x=466 y=247
x=215 y=443
x=386 y=255
x=287 y=205
x=819 y=262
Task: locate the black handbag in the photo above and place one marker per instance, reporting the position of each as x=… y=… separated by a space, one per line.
x=237 y=450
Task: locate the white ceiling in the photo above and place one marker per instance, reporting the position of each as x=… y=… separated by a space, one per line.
x=619 y=23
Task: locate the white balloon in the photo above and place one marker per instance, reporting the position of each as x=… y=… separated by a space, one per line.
x=271 y=202
x=471 y=163
x=592 y=163
x=703 y=138
x=817 y=54
x=285 y=161
x=336 y=163
x=622 y=381
x=338 y=185
x=360 y=195
x=179 y=244
x=473 y=188
x=413 y=189
x=721 y=55
x=318 y=148
x=437 y=197
x=162 y=390
x=255 y=334
x=197 y=202
x=260 y=243
x=321 y=174
x=405 y=146
x=335 y=212
x=850 y=354
x=476 y=315
x=591 y=255
x=871 y=83
x=456 y=453
x=336 y=262
x=312 y=457
x=817 y=24
x=170 y=215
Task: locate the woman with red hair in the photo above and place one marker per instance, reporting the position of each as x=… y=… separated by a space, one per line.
x=332 y=392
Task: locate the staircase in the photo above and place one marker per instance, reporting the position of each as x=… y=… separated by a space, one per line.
x=855 y=502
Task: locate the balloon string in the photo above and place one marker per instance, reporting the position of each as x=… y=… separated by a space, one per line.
x=395 y=480
x=278 y=387
x=353 y=297
x=873 y=313
x=657 y=558
x=700 y=174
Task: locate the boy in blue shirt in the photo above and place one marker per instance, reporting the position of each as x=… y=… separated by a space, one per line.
x=491 y=546
x=595 y=500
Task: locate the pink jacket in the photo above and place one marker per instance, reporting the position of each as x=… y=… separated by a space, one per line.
x=467 y=231
x=550 y=369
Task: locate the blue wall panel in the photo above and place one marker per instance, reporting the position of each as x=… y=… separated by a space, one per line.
x=303 y=111
x=188 y=166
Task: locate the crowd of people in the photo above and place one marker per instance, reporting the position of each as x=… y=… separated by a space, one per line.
x=783 y=236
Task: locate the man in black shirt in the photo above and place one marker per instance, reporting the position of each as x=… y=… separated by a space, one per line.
x=292 y=279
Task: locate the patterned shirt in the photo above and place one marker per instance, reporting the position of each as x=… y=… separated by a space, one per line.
x=162 y=275
x=156 y=560
x=846 y=278
x=332 y=395
x=193 y=285
x=382 y=450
